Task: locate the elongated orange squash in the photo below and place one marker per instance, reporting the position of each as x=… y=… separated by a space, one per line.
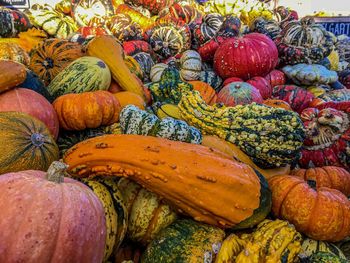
x=110 y=51
x=199 y=181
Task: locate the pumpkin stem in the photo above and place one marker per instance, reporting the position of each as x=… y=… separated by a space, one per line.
x=56 y=172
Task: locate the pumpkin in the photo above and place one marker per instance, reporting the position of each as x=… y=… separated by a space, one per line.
x=12 y=51
x=230 y=80
x=52 y=56
x=310 y=246
x=25 y=143
x=160 y=165
x=114 y=59
x=270 y=141
x=32 y=103
x=153 y=6
x=276 y=77
x=304 y=41
x=89 y=31
x=134 y=66
x=144 y=21
x=303 y=74
x=157 y=71
x=277 y=104
x=238 y=155
x=262 y=85
x=230 y=27
x=239 y=93
x=11 y=74
x=51 y=21
x=126 y=97
x=327 y=176
x=145 y=62
x=82 y=75
x=325 y=257
x=208 y=29
x=207 y=92
x=12 y=22
x=268 y=27
x=148 y=214
x=298 y=98
x=106 y=189
x=99 y=108
x=168 y=37
x=164 y=110
x=90 y=12
x=327 y=135
x=207 y=50
x=334 y=95
x=185 y=241
x=136 y=46
x=246 y=57
x=210 y=77
x=114 y=87
x=73 y=231
x=321 y=214
x=124 y=28
x=190 y=65
x=136 y=121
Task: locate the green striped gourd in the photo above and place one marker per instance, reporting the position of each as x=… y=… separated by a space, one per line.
x=157 y=71
x=311 y=246
x=82 y=75
x=136 y=121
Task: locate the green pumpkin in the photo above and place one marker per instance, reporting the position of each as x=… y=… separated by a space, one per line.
x=82 y=75
x=136 y=121
x=311 y=246
x=184 y=241
x=324 y=257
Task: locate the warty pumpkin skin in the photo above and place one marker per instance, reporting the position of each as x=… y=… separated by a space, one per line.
x=148 y=213
x=12 y=51
x=87 y=110
x=126 y=97
x=25 y=143
x=32 y=103
x=321 y=214
x=310 y=246
x=11 y=74
x=207 y=92
x=171 y=169
x=51 y=219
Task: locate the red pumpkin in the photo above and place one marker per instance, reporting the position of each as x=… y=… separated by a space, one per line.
x=207 y=51
x=230 y=80
x=276 y=77
x=297 y=98
x=46 y=217
x=114 y=87
x=246 y=57
x=327 y=135
x=326 y=176
x=262 y=85
x=32 y=103
x=322 y=214
x=137 y=46
x=86 y=31
x=238 y=93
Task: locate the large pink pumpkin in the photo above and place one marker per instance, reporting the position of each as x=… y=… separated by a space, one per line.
x=238 y=93
x=50 y=219
x=246 y=57
x=32 y=103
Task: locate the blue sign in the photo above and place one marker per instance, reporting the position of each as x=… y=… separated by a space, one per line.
x=17 y=4
x=337 y=25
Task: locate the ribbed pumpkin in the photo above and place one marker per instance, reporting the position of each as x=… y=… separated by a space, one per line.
x=190 y=65
x=326 y=176
x=152 y=5
x=148 y=214
x=12 y=51
x=25 y=143
x=277 y=104
x=144 y=21
x=207 y=92
x=11 y=74
x=239 y=93
x=185 y=241
x=321 y=214
x=276 y=77
x=62 y=218
x=126 y=98
x=157 y=71
x=12 y=22
x=32 y=103
x=145 y=61
x=205 y=31
x=124 y=28
x=87 y=110
x=246 y=57
x=53 y=55
x=262 y=85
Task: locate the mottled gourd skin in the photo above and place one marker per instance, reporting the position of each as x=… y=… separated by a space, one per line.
x=272 y=137
x=184 y=241
x=136 y=121
x=324 y=257
x=311 y=246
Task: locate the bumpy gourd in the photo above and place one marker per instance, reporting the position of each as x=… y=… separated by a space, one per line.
x=311 y=246
x=271 y=136
x=136 y=121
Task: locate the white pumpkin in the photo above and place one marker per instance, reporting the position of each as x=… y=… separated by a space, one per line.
x=157 y=71
x=190 y=65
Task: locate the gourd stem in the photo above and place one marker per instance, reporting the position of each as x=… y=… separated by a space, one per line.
x=56 y=171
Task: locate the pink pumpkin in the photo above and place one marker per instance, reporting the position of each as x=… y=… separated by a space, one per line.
x=262 y=85
x=32 y=103
x=276 y=77
x=246 y=57
x=238 y=93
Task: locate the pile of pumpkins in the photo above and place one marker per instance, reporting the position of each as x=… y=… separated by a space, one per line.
x=164 y=131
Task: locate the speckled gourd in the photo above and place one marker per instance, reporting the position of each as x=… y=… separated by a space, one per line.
x=272 y=137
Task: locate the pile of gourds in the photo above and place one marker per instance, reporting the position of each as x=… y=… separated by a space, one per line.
x=164 y=131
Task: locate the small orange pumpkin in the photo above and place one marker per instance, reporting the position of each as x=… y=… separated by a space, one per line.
x=127 y=97
x=87 y=110
x=277 y=104
x=207 y=92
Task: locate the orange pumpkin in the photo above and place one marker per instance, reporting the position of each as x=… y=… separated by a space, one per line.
x=322 y=214
x=207 y=92
x=327 y=176
x=87 y=110
x=11 y=74
x=46 y=217
x=12 y=51
x=277 y=104
x=127 y=97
